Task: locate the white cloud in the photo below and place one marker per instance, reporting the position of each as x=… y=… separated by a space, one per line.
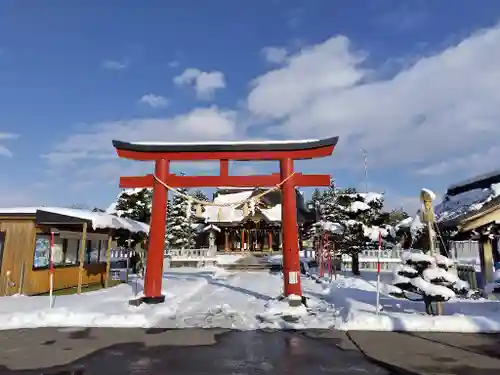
x=115 y=64
x=441 y=107
x=8 y=136
x=4 y=151
x=437 y=116
x=204 y=83
x=201 y=124
x=274 y=55
x=19 y=196
x=155 y=101
x=470 y=164
x=174 y=64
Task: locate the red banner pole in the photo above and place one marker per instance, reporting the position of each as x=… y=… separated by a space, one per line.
x=51 y=268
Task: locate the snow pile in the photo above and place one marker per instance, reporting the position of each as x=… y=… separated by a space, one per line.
x=331 y=227
x=358 y=206
x=414 y=224
x=405 y=223
x=279 y=314
x=370 y=197
x=372 y=232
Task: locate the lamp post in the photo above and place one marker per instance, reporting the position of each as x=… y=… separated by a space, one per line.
x=365 y=161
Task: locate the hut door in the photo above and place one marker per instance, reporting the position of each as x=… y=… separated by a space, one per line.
x=2 y=241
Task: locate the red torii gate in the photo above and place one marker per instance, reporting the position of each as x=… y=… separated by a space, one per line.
x=162 y=153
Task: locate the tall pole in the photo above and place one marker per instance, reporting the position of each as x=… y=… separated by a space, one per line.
x=378 y=270
x=365 y=160
x=51 y=269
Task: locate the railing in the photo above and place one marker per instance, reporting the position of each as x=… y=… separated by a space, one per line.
x=368 y=259
x=190 y=254
x=464 y=250
x=366 y=263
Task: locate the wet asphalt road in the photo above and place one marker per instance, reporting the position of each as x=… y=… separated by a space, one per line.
x=188 y=351
x=113 y=351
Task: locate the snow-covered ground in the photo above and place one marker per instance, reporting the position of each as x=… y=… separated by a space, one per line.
x=355 y=298
x=212 y=297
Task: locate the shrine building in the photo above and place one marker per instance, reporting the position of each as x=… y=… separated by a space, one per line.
x=237 y=229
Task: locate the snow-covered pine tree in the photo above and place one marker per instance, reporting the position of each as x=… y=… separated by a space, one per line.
x=134 y=204
x=199 y=195
x=179 y=231
x=395 y=216
x=314 y=205
x=361 y=216
x=316 y=198
x=414 y=232
x=427 y=276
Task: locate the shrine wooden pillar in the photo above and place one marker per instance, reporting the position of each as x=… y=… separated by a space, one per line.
x=291 y=260
x=249 y=238
x=226 y=243
x=154 y=263
x=270 y=240
x=242 y=244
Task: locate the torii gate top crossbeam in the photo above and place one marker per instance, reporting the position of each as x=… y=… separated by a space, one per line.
x=241 y=151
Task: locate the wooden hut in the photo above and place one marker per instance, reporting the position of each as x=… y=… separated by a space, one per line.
x=80 y=250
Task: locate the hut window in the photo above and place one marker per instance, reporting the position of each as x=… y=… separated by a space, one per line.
x=72 y=246
x=93 y=251
x=103 y=255
x=58 y=251
x=42 y=251
x=41 y=256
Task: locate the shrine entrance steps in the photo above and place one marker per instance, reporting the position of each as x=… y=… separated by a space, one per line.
x=257 y=254
x=249 y=262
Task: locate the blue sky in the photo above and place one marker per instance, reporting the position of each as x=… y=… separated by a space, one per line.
x=411 y=82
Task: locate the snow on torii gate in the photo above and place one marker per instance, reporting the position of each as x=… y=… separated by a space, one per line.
x=162 y=153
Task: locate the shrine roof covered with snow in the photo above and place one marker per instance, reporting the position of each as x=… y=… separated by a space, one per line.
x=269 y=206
x=469 y=200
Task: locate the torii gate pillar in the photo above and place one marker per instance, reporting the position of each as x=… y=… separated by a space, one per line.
x=291 y=258
x=156 y=247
